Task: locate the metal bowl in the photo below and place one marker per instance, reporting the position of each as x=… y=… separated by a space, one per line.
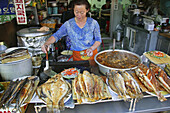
x=105 y=69
x=10 y=71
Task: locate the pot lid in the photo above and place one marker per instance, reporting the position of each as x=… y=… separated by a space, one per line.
x=32 y=32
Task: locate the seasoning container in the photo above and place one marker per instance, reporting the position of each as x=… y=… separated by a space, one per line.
x=2 y=47
x=49 y=10
x=54 y=8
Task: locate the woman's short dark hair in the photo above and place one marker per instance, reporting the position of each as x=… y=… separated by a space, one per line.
x=108 y=0
x=81 y=2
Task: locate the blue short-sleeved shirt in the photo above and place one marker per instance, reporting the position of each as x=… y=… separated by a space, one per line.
x=81 y=38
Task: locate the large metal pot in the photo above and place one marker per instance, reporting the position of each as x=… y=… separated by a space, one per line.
x=104 y=69
x=16 y=69
x=32 y=38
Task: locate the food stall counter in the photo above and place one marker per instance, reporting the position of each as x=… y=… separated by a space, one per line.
x=146 y=104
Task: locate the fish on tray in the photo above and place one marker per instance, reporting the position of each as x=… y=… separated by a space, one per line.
x=148 y=78
x=88 y=87
x=16 y=91
x=12 y=85
x=20 y=91
x=161 y=76
x=119 y=84
x=82 y=85
x=25 y=95
x=132 y=86
x=77 y=89
x=98 y=87
x=53 y=92
x=89 y=83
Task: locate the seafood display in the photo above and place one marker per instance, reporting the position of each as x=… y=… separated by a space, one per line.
x=19 y=92
x=83 y=87
x=148 y=78
x=124 y=85
x=53 y=93
x=15 y=55
x=89 y=88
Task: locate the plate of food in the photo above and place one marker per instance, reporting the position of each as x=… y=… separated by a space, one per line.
x=157 y=57
x=70 y=73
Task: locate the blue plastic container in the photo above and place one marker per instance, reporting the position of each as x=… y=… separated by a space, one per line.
x=55 y=10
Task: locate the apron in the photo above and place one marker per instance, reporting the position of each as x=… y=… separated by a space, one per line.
x=82 y=55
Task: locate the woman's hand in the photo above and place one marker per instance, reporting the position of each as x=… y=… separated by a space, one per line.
x=89 y=52
x=45 y=48
x=44 y=28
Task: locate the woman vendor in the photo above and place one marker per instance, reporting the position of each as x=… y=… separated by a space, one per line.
x=83 y=31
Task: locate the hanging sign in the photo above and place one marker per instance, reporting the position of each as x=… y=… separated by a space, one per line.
x=20 y=11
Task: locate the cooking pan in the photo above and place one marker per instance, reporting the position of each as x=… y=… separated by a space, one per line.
x=105 y=69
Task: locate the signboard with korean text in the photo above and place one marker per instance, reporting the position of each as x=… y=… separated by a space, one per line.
x=7 y=11
x=20 y=11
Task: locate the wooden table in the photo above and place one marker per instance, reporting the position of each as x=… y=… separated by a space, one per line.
x=165 y=34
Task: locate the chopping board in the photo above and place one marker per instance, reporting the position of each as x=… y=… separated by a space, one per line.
x=158 y=60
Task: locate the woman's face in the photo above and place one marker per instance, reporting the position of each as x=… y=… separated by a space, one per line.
x=80 y=11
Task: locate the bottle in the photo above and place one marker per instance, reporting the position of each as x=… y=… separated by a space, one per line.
x=2 y=47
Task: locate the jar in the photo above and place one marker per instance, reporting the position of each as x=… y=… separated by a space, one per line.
x=2 y=47
x=54 y=8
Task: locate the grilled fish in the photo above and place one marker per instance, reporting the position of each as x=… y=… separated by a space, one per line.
x=120 y=84
x=101 y=87
x=16 y=91
x=58 y=91
x=132 y=87
x=21 y=96
x=162 y=77
x=82 y=85
x=27 y=92
x=77 y=90
x=147 y=77
x=111 y=82
x=34 y=83
x=96 y=87
x=89 y=83
x=53 y=92
x=12 y=85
